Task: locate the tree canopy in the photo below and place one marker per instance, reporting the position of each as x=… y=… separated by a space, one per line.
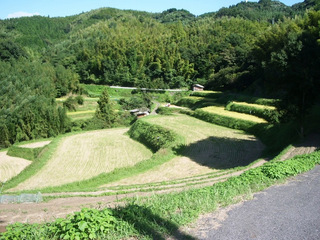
x=264 y=44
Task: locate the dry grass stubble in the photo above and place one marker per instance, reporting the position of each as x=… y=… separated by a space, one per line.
x=208 y=148
x=83 y=156
x=11 y=166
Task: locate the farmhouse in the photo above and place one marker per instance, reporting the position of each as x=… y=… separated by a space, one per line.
x=197 y=87
x=140 y=112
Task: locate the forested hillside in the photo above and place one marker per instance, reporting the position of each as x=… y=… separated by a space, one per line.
x=264 y=48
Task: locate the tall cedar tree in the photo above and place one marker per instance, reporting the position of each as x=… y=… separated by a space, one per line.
x=105 y=110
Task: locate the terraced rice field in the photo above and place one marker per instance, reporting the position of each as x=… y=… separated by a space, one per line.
x=81 y=114
x=255 y=105
x=11 y=166
x=208 y=149
x=83 y=156
x=223 y=112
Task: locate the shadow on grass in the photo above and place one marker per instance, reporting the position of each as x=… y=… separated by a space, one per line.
x=149 y=224
x=223 y=153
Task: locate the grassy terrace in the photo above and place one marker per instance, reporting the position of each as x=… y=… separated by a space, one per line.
x=86 y=155
x=253 y=105
x=242 y=116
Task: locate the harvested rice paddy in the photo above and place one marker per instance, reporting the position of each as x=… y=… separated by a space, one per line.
x=83 y=156
x=255 y=105
x=236 y=115
x=208 y=148
x=11 y=166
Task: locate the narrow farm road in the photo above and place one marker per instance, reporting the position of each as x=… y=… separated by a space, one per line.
x=290 y=211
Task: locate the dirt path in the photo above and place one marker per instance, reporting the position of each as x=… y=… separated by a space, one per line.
x=60 y=207
x=309 y=145
x=47 y=211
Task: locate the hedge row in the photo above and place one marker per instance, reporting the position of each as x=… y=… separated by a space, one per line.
x=208 y=94
x=227 y=97
x=274 y=136
x=26 y=153
x=152 y=136
x=196 y=102
x=167 y=110
x=271 y=115
x=225 y=121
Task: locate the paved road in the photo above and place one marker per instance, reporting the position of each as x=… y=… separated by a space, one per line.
x=290 y=211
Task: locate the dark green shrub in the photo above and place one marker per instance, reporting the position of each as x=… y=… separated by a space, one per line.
x=70 y=104
x=79 y=99
x=152 y=136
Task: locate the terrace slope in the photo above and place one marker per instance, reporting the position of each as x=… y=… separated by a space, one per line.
x=83 y=156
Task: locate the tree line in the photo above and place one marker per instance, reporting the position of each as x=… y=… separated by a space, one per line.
x=273 y=51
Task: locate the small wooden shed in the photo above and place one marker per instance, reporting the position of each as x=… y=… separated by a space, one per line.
x=142 y=114
x=197 y=87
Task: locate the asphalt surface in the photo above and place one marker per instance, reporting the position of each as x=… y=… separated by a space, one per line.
x=289 y=211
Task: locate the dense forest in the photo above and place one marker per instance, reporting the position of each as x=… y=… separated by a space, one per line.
x=263 y=47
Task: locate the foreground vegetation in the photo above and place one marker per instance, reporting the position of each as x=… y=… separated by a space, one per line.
x=161 y=215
